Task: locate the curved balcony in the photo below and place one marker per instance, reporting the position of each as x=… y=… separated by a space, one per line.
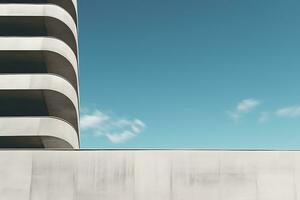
x=69 y=5
x=38 y=55
x=37 y=132
x=37 y=62
x=38 y=95
x=38 y=21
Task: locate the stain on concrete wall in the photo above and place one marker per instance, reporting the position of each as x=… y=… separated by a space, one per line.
x=149 y=175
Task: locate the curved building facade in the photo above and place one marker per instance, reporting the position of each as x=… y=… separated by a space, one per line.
x=39 y=98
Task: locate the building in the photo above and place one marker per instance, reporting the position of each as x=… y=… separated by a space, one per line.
x=39 y=74
x=39 y=109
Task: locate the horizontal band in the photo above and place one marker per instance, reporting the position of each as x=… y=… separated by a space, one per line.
x=37 y=62
x=69 y=5
x=40 y=10
x=57 y=105
x=50 y=130
x=39 y=44
x=39 y=82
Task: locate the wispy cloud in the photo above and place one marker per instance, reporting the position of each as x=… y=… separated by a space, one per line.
x=264 y=117
x=247 y=105
x=285 y=112
x=290 y=112
x=93 y=120
x=243 y=107
x=115 y=129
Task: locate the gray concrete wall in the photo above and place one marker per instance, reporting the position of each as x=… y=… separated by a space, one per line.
x=149 y=175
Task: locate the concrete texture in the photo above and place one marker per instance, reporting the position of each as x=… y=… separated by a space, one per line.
x=46 y=10
x=63 y=105
x=69 y=5
x=51 y=132
x=39 y=82
x=39 y=44
x=149 y=175
x=39 y=91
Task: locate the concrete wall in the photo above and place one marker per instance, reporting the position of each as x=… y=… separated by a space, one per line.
x=149 y=175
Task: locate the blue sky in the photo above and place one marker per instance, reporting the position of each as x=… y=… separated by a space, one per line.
x=190 y=74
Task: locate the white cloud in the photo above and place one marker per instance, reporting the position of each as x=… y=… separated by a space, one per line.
x=121 y=137
x=291 y=112
x=93 y=120
x=243 y=107
x=116 y=130
x=247 y=105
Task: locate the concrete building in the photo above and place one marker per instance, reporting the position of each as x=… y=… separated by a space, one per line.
x=38 y=74
x=39 y=109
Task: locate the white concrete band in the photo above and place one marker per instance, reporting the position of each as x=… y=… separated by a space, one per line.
x=75 y=5
x=39 y=82
x=48 y=10
x=39 y=44
x=39 y=126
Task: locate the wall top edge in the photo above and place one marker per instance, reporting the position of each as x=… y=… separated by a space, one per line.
x=154 y=150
